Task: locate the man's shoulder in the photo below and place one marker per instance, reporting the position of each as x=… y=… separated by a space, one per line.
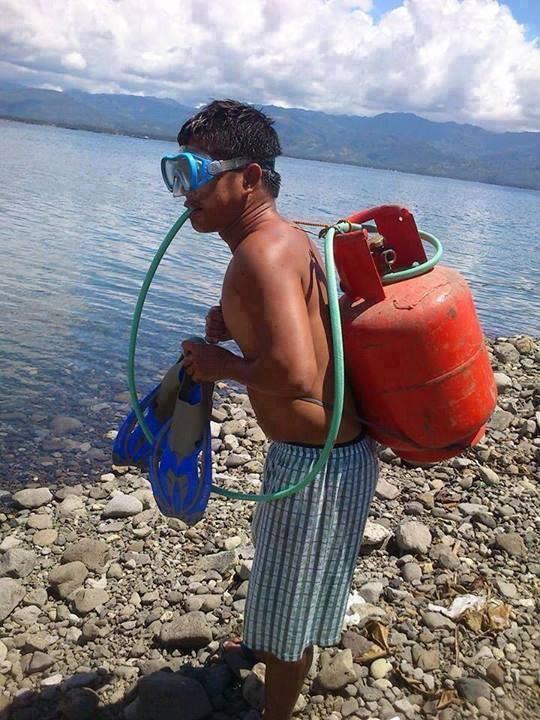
x=276 y=243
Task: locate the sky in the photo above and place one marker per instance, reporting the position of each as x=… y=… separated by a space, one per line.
x=475 y=61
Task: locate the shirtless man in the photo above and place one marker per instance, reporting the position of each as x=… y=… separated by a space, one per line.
x=274 y=305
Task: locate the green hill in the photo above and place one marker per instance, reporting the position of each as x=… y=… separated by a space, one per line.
x=394 y=141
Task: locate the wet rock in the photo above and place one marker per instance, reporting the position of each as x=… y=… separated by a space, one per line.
x=121 y=506
x=11 y=594
x=413 y=536
x=17 y=563
x=64 y=425
x=191 y=631
x=92 y=553
x=32 y=498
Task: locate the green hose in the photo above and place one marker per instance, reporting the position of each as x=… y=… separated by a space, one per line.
x=337 y=347
x=169 y=237
x=339 y=389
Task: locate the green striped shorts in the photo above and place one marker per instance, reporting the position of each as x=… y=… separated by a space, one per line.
x=306 y=547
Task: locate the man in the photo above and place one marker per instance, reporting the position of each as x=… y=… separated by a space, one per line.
x=274 y=305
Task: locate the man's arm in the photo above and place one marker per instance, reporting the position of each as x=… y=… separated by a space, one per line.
x=284 y=362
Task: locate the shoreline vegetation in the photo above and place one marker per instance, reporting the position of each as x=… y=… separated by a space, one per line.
x=109 y=610
x=401 y=142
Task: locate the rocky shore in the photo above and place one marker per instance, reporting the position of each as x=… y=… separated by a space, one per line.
x=110 y=610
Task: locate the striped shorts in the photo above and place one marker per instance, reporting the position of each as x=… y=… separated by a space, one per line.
x=306 y=547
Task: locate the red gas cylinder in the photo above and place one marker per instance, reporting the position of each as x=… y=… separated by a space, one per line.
x=414 y=349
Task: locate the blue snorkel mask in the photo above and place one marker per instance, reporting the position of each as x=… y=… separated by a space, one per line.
x=188 y=171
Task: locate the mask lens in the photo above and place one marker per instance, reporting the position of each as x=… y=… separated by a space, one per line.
x=177 y=186
x=178 y=175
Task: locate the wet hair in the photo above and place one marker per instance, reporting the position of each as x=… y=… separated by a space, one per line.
x=232 y=129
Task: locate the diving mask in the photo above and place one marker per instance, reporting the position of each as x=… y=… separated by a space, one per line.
x=188 y=171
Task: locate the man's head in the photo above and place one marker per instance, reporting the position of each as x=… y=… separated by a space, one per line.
x=228 y=130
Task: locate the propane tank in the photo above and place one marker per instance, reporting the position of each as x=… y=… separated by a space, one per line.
x=414 y=348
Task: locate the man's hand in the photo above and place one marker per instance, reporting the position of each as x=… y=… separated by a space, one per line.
x=206 y=363
x=216 y=330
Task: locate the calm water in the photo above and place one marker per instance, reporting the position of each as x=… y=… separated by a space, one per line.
x=81 y=217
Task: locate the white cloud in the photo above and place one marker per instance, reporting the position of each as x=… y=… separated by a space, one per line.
x=466 y=60
x=74 y=61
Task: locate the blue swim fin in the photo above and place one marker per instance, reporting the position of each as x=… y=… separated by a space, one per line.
x=180 y=467
x=131 y=446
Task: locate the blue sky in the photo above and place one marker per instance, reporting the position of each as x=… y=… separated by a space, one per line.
x=526 y=12
x=475 y=61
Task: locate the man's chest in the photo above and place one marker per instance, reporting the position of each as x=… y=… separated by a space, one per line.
x=236 y=315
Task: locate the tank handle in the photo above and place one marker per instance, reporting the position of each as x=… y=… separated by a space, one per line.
x=396 y=224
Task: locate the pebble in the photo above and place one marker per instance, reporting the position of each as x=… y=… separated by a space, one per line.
x=380 y=668
x=121 y=506
x=413 y=536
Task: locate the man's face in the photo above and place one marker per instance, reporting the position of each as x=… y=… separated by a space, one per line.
x=218 y=203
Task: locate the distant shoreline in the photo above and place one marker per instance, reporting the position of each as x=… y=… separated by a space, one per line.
x=166 y=138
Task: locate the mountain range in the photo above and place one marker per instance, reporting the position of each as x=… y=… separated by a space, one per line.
x=393 y=141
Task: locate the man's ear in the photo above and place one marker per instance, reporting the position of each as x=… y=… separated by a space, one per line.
x=252 y=176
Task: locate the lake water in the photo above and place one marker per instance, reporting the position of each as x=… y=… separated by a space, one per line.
x=82 y=215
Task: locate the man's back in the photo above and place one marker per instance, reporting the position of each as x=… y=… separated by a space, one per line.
x=274 y=296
